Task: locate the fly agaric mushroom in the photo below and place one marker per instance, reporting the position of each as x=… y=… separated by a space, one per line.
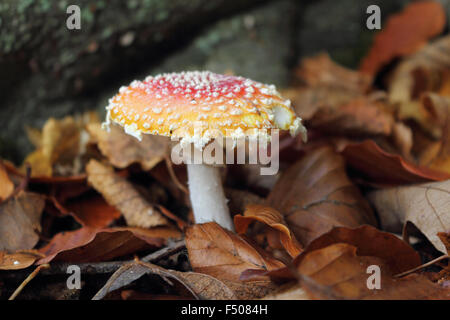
x=173 y=104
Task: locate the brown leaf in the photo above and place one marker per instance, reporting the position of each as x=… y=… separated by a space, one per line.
x=240 y=199
x=223 y=254
x=315 y=195
x=18 y=260
x=369 y=241
x=321 y=71
x=288 y=292
x=271 y=218
x=337 y=272
x=426 y=205
x=120 y=193
x=383 y=168
x=20 y=219
x=123 y=150
x=92 y=211
x=404 y=34
x=91 y=245
x=6 y=185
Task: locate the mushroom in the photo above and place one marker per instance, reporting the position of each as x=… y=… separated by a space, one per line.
x=173 y=104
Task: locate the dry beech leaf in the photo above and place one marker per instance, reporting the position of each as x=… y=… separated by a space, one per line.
x=427 y=206
x=337 y=272
x=91 y=245
x=405 y=33
x=369 y=241
x=120 y=193
x=314 y=195
x=60 y=143
x=321 y=71
x=18 y=260
x=123 y=150
x=20 y=219
x=416 y=75
x=438 y=156
x=224 y=255
x=333 y=99
x=359 y=116
x=92 y=211
x=383 y=168
x=6 y=185
x=272 y=218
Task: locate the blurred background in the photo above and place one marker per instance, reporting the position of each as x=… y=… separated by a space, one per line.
x=48 y=71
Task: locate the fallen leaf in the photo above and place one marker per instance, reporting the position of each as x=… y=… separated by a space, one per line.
x=288 y=292
x=405 y=33
x=222 y=254
x=314 y=195
x=121 y=194
x=6 y=185
x=91 y=245
x=20 y=220
x=386 y=169
x=240 y=199
x=439 y=157
x=321 y=71
x=272 y=218
x=18 y=260
x=426 y=205
x=337 y=272
x=92 y=211
x=123 y=150
x=369 y=241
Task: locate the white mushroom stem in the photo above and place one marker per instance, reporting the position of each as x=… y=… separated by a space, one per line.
x=207 y=196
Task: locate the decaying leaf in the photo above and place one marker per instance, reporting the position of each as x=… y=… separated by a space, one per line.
x=315 y=195
x=223 y=254
x=90 y=245
x=426 y=205
x=6 y=185
x=120 y=193
x=337 y=272
x=18 y=260
x=122 y=150
x=272 y=218
x=405 y=33
x=20 y=220
x=383 y=168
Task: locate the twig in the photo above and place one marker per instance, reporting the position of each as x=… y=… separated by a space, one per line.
x=445 y=256
x=27 y=280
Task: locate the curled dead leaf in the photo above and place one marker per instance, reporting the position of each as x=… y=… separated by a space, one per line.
x=19 y=260
x=383 y=168
x=272 y=218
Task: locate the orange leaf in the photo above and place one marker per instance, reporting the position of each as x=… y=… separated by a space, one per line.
x=6 y=185
x=404 y=34
x=93 y=211
x=223 y=254
x=91 y=245
x=18 y=260
x=273 y=219
x=384 y=168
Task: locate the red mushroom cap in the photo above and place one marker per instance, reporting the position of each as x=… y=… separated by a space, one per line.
x=176 y=104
